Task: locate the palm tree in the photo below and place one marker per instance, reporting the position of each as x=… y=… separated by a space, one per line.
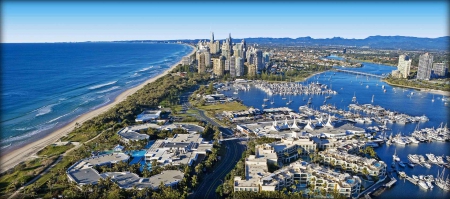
x=299 y=151
x=194 y=181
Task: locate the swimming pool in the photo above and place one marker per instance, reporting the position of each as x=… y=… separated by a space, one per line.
x=350 y=181
x=377 y=164
x=139 y=153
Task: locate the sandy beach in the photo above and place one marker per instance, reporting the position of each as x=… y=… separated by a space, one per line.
x=17 y=156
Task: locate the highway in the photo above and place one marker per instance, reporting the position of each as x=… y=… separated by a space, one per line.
x=235 y=148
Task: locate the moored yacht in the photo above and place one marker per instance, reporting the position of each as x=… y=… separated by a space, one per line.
x=423 y=184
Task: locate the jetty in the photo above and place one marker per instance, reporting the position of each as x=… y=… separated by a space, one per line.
x=390 y=183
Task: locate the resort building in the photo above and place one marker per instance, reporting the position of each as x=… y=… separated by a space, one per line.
x=83 y=172
x=425 y=66
x=132 y=133
x=300 y=174
x=353 y=163
x=181 y=149
x=148 y=116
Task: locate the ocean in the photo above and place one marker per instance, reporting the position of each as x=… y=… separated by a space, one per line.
x=47 y=85
x=395 y=99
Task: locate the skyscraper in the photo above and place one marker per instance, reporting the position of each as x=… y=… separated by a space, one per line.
x=232 y=66
x=227 y=65
x=207 y=58
x=440 y=69
x=251 y=70
x=259 y=61
x=404 y=65
x=239 y=66
x=425 y=66
x=216 y=67
x=201 y=63
x=212 y=38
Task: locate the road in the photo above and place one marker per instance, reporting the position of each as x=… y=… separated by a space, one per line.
x=235 y=148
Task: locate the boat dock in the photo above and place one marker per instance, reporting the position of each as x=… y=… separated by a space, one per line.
x=390 y=183
x=411 y=180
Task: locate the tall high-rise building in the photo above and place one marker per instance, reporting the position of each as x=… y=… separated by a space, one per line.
x=239 y=66
x=232 y=62
x=201 y=63
x=207 y=58
x=404 y=65
x=440 y=69
x=344 y=51
x=226 y=50
x=259 y=60
x=251 y=57
x=217 y=69
x=425 y=66
x=251 y=70
x=227 y=65
x=212 y=38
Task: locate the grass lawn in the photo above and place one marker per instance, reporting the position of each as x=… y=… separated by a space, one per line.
x=52 y=150
x=230 y=106
x=23 y=173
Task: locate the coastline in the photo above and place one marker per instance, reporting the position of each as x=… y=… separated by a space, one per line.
x=12 y=158
x=438 y=92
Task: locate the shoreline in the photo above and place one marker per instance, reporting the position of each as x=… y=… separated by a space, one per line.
x=16 y=156
x=438 y=92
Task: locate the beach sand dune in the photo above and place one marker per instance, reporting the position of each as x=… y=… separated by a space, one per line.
x=17 y=156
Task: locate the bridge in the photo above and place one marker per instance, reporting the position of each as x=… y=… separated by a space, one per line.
x=360 y=73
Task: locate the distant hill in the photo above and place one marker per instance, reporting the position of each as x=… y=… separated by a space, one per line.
x=377 y=42
x=374 y=42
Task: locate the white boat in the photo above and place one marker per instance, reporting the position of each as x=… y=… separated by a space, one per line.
x=396 y=158
x=430 y=186
x=413 y=140
x=431 y=158
x=413 y=158
x=372 y=98
x=427 y=165
x=354 y=98
x=422 y=184
x=360 y=120
x=440 y=182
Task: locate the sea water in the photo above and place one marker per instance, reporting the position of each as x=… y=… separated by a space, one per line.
x=47 y=85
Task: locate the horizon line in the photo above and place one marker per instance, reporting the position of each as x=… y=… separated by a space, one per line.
x=219 y=39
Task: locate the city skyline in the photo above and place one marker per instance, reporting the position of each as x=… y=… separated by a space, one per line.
x=27 y=22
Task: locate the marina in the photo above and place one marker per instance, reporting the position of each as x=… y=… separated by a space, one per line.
x=399 y=101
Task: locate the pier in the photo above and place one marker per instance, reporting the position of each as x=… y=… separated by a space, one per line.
x=390 y=183
x=359 y=73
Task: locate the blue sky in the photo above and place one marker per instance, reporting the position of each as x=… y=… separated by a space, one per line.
x=107 y=21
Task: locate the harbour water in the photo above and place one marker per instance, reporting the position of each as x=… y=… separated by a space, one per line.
x=45 y=86
x=394 y=99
